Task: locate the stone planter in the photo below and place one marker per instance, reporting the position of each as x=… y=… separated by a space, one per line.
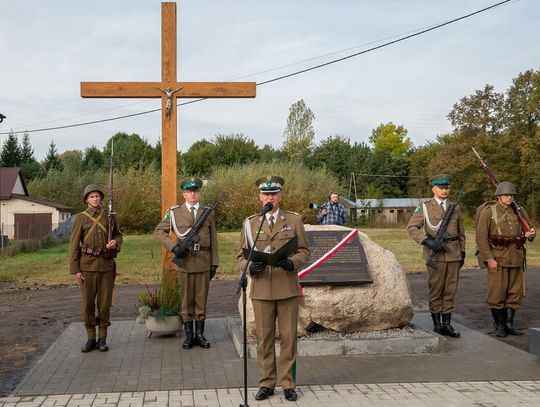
x=164 y=326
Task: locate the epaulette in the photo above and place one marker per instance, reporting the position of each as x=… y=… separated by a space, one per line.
x=252 y=216
x=174 y=207
x=294 y=213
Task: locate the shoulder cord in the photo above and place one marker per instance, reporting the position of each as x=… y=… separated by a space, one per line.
x=426 y=217
x=173 y=226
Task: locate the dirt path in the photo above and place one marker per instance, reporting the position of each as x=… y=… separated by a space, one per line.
x=32 y=319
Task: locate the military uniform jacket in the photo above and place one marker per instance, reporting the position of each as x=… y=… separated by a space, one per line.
x=506 y=256
x=275 y=283
x=84 y=233
x=201 y=260
x=419 y=229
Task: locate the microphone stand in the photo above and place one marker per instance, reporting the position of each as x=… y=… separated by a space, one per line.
x=242 y=284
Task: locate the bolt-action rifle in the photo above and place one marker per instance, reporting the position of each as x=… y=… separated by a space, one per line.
x=111 y=253
x=525 y=225
x=442 y=234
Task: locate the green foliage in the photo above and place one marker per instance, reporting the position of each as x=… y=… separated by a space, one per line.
x=199 y=159
x=299 y=133
x=302 y=186
x=163 y=302
x=234 y=149
x=52 y=159
x=93 y=159
x=391 y=140
x=130 y=151
x=10 y=156
x=137 y=195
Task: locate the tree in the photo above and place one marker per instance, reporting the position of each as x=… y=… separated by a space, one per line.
x=130 y=151
x=52 y=159
x=10 y=156
x=391 y=140
x=198 y=160
x=27 y=152
x=299 y=133
x=93 y=159
x=334 y=153
x=523 y=104
x=481 y=113
x=234 y=149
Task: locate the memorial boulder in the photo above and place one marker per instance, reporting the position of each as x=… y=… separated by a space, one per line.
x=377 y=298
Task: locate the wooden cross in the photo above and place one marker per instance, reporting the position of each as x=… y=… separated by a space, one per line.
x=168 y=90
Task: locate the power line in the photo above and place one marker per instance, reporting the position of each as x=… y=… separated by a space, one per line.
x=386 y=44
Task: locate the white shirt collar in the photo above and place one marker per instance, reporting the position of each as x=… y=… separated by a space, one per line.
x=196 y=206
x=443 y=201
x=275 y=215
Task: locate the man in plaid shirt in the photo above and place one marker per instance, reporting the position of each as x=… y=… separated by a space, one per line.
x=332 y=213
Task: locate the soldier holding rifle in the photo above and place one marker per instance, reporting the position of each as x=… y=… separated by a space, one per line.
x=195 y=262
x=95 y=240
x=502 y=229
x=444 y=250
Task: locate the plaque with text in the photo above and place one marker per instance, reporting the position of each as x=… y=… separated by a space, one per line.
x=348 y=266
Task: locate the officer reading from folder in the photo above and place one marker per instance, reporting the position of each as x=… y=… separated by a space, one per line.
x=274 y=289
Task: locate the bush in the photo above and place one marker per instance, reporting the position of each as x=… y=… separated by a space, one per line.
x=302 y=186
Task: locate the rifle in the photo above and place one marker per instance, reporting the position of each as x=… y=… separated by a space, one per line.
x=191 y=238
x=442 y=234
x=111 y=253
x=525 y=225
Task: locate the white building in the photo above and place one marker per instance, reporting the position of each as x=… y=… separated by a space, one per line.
x=387 y=211
x=22 y=216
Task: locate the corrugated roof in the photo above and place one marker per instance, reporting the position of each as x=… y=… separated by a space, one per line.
x=8 y=178
x=389 y=203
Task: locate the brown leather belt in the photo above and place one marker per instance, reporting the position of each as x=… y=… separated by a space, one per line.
x=452 y=239
x=197 y=247
x=498 y=240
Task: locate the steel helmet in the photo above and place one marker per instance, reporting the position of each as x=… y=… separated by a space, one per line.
x=505 y=188
x=92 y=188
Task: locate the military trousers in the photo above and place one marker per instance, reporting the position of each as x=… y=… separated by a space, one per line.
x=443 y=283
x=97 y=289
x=266 y=312
x=194 y=293
x=505 y=288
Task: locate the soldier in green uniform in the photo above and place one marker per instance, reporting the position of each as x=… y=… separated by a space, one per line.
x=274 y=290
x=93 y=267
x=200 y=262
x=500 y=240
x=443 y=279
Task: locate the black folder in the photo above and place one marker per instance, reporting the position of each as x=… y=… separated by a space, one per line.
x=272 y=259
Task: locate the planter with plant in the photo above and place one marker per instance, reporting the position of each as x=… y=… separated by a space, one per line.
x=160 y=310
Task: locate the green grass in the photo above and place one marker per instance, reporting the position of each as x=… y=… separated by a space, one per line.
x=139 y=262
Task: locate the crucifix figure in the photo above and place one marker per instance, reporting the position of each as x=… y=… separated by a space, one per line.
x=164 y=91
x=169 y=93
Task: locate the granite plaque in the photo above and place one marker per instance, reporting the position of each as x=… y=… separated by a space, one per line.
x=348 y=266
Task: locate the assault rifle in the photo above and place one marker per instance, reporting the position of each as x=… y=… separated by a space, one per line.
x=111 y=253
x=442 y=234
x=525 y=226
x=189 y=242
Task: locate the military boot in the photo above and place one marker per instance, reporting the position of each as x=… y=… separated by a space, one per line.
x=510 y=313
x=446 y=328
x=199 y=335
x=436 y=317
x=499 y=319
x=90 y=345
x=188 y=329
x=102 y=345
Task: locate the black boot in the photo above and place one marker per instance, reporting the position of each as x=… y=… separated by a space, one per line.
x=199 y=335
x=102 y=345
x=446 y=328
x=188 y=329
x=436 y=317
x=90 y=345
x=510 y=312
x=499 y=318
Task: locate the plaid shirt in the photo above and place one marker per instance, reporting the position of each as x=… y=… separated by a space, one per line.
x=335 y=214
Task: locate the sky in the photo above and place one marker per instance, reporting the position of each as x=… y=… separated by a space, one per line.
x=48 y=48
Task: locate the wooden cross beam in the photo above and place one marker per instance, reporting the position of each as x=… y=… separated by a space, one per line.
x=169 y=90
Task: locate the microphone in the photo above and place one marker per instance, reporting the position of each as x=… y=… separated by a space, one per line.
x=266 y=208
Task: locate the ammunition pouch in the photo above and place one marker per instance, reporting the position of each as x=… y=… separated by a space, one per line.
x=505 y=241
x=91 y=250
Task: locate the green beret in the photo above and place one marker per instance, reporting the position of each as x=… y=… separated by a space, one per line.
x=190 y=183
x=270 y=183
x=441 y=179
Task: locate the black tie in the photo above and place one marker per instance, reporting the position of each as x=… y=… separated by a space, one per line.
x=271 y=219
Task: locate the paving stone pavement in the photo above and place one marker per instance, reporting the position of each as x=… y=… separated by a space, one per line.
x=475 y=370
